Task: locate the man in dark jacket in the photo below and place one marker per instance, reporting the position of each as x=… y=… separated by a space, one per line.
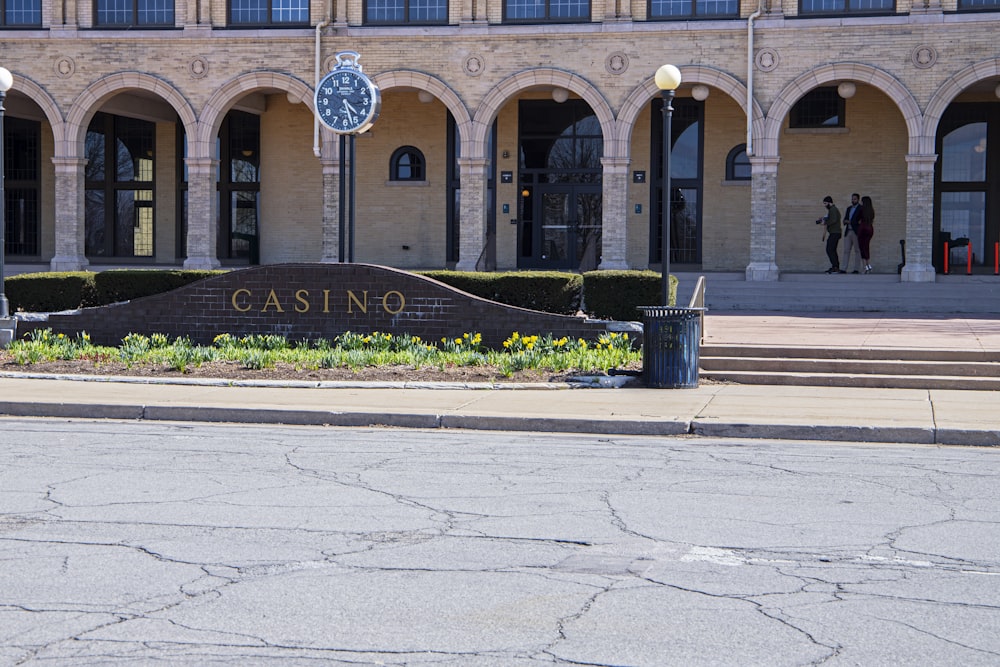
x=852 y=220
x=832 y=233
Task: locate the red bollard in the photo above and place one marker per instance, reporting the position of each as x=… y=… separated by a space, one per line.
x=968 y=259
x=945 y=258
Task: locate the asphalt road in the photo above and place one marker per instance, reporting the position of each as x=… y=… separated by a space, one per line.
x=133 y=543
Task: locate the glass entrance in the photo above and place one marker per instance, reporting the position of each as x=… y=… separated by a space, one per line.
x=687 y=129
x=968 y=187
x=561 y=227
x=559 y=212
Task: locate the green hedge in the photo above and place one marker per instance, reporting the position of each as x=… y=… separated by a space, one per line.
x=616 y=295
x=51 y=292
x=128 y=284
x=548 y=291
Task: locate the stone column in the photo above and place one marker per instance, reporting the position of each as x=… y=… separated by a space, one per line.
x=614 y=213
x=763 y=218
x=202 y=221
x=70 y=251
x=919 y=219
x=331 y=209
x=472 y=233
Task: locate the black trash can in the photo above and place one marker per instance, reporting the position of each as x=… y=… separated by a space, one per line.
x=671 y=345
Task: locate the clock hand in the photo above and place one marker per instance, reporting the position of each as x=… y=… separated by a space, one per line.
x=350 y=108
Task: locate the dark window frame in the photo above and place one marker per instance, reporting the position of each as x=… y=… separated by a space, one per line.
x=238 y=175
x=971 y=6
x=22 y=165
x=136 y=9
x=406 y=6
x=818 y=104
x=732 y=161
x=417 y=166
x=547 y=17
x=35 y=11
x=733 y=10
x=887 y=8
x=115 y=132
x=269 y=22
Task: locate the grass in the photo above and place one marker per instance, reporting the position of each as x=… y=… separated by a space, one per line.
x=349 y=350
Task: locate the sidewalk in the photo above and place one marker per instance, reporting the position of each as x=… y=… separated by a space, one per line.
x=719 y=410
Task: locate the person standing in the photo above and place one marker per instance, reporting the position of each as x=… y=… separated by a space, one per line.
x=866 y=229
x=852 y=220
x=832 y=233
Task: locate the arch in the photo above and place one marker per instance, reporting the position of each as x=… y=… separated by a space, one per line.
x=88 y=101
x=39 y=96
x=536 y=78
x=215 y=109
x=642 y=94
x=875 y=77
x=948 y=91
x=434 y=86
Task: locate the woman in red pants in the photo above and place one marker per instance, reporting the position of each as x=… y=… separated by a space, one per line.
x=866 y=230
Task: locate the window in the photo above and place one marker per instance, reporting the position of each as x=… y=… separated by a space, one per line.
x=820 y=107
x=17 y=13
x=828 y=7
x=978 y=5
x=686 y=9
x=269 y=12
x=238 y=150
x=738 y=164
x=407 y=164
x=406 y=11
x=22 y=165
x=146 y=13
x=536 y=11
x=119 y=187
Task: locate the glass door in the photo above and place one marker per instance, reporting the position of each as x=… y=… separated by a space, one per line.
x=561 y=227
x=968 y=187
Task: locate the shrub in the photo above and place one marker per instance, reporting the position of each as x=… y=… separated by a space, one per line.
x=51 y=291
x=615 y=295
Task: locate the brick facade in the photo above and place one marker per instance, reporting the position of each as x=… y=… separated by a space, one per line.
x=908 y=68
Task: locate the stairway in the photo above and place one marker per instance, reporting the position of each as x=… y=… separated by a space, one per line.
x=891 y=368
x=804 y=293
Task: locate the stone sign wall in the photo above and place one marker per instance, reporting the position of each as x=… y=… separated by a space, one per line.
x=310 y=301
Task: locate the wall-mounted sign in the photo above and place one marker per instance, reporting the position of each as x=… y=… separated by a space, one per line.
x=638 y=177
x=506 y=177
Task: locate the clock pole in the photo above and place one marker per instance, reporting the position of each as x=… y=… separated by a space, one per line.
x=347 y=102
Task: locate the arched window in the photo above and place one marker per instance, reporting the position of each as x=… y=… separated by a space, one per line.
x=738 y=164
x=407 y=164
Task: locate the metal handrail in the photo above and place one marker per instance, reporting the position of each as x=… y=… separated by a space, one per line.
x=698 y=301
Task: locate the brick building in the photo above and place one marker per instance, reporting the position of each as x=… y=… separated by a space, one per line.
x=512 y=134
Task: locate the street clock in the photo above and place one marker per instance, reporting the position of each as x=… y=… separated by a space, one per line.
x=346 y=100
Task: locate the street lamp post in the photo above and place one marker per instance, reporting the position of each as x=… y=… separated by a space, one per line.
x=667 y=78
x=6 y=81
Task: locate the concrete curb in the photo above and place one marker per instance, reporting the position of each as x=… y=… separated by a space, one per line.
x=251 y=415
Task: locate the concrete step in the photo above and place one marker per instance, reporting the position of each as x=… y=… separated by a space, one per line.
x=853 y=367
x=851 y=380
x=846 y=367
x=849 y=353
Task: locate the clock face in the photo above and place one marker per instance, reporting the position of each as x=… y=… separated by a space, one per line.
x=347 y=101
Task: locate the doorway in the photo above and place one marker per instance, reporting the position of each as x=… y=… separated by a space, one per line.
x=561 y=227
x=686 y=160
x=967 y=187
x=560 y=172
